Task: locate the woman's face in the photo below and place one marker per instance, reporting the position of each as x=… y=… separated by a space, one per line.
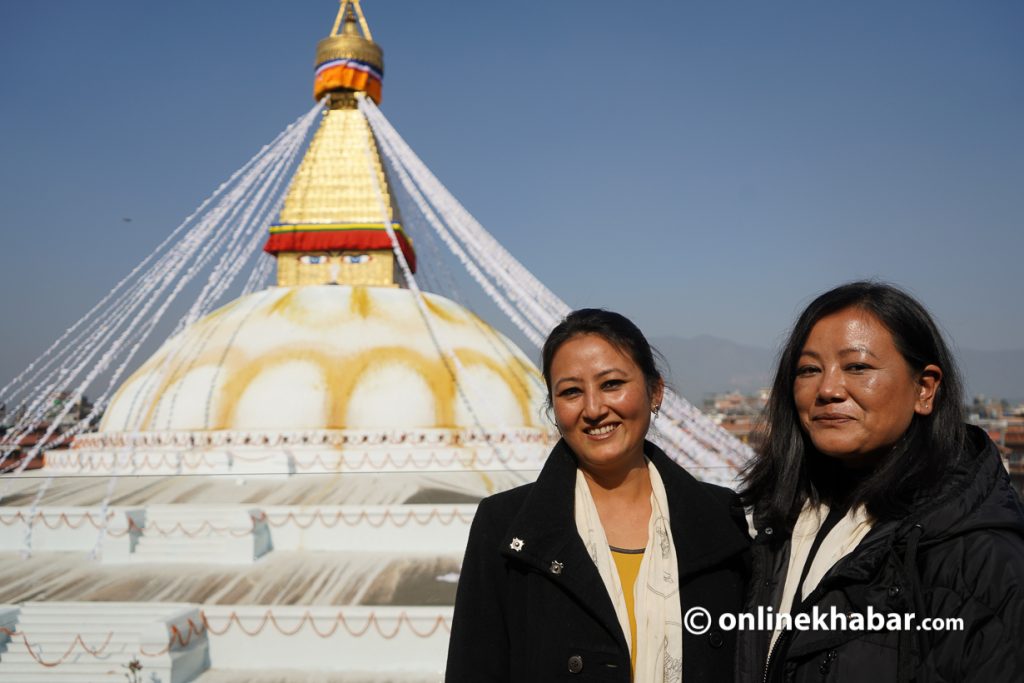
x=854 y=392
x=601 y=402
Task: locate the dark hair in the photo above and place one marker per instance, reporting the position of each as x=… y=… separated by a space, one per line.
x=785 y=472
x=616 y=329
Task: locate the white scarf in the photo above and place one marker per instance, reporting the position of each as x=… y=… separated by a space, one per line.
x=659 y=632
x=837 y=544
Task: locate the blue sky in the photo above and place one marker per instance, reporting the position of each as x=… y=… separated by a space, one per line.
x=704 y=167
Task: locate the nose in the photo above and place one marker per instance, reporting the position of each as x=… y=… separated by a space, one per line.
x=831 y=388
x=593 y=406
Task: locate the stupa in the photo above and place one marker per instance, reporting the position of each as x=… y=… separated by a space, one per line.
x=353 y=420
x=341 y=353
x=283 y=490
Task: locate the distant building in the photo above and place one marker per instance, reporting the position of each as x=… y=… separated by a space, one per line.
x=739 y=414
x=1005 y=426
x=76 y=414
x=28 y=441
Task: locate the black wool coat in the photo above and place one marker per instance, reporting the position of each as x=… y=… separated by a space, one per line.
x=541 y=613
x=959 y=554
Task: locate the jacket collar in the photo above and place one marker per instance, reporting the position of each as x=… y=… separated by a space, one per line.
x=544 y=531
x=976 y=495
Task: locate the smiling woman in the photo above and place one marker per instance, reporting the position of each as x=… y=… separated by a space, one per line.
x=871 y=493
x=603 y=405
x=588 y=570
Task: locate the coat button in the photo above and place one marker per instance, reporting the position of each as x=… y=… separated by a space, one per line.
x=575 y=664
x=894 y=591
x=716 y=639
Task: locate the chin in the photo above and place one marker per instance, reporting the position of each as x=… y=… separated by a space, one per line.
x=836 y=445
x=852 y=458
x=599 y=454
x=599 y=449
x=838 y=451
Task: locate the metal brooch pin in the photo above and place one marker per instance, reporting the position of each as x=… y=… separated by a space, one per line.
x=556 y=567
x=517 y=544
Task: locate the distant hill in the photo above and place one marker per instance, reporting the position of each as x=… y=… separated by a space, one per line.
x=706 y=365
x=996 y=374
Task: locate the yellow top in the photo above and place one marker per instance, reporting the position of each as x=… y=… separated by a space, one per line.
x=628 y=564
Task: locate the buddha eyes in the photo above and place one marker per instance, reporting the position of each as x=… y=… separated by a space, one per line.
x=319 y=259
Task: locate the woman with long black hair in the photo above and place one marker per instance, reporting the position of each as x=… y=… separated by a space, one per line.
x=870 y=493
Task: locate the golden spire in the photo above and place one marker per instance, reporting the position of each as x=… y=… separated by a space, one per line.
x=330 y=230
x=352 y=12
x=349 y=61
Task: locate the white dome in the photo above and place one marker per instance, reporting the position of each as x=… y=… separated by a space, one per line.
x=328 y=358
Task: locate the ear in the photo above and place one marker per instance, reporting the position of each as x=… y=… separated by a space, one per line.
x=658 y=394
x=927 y=385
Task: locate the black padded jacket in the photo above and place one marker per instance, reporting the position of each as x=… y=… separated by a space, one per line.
x=959 y=555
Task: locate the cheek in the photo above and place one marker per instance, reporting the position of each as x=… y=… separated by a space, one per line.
x=887 y=395
x=876 y=385
x=803 y=396
x=890 y=404
x=562 y=412
x=634 y=406
x=900 y=410
x=630 y=404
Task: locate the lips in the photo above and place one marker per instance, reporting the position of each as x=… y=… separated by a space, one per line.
x=833 y=418
x=602 y=431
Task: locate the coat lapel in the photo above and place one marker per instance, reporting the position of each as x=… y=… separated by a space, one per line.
x=702 y=530
x=543 y=536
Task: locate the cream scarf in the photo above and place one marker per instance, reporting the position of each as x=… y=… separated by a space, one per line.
x=840 y=542
x=659 y=632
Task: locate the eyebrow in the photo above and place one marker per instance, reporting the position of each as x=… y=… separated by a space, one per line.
x=842 y=352
x=600 y=374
